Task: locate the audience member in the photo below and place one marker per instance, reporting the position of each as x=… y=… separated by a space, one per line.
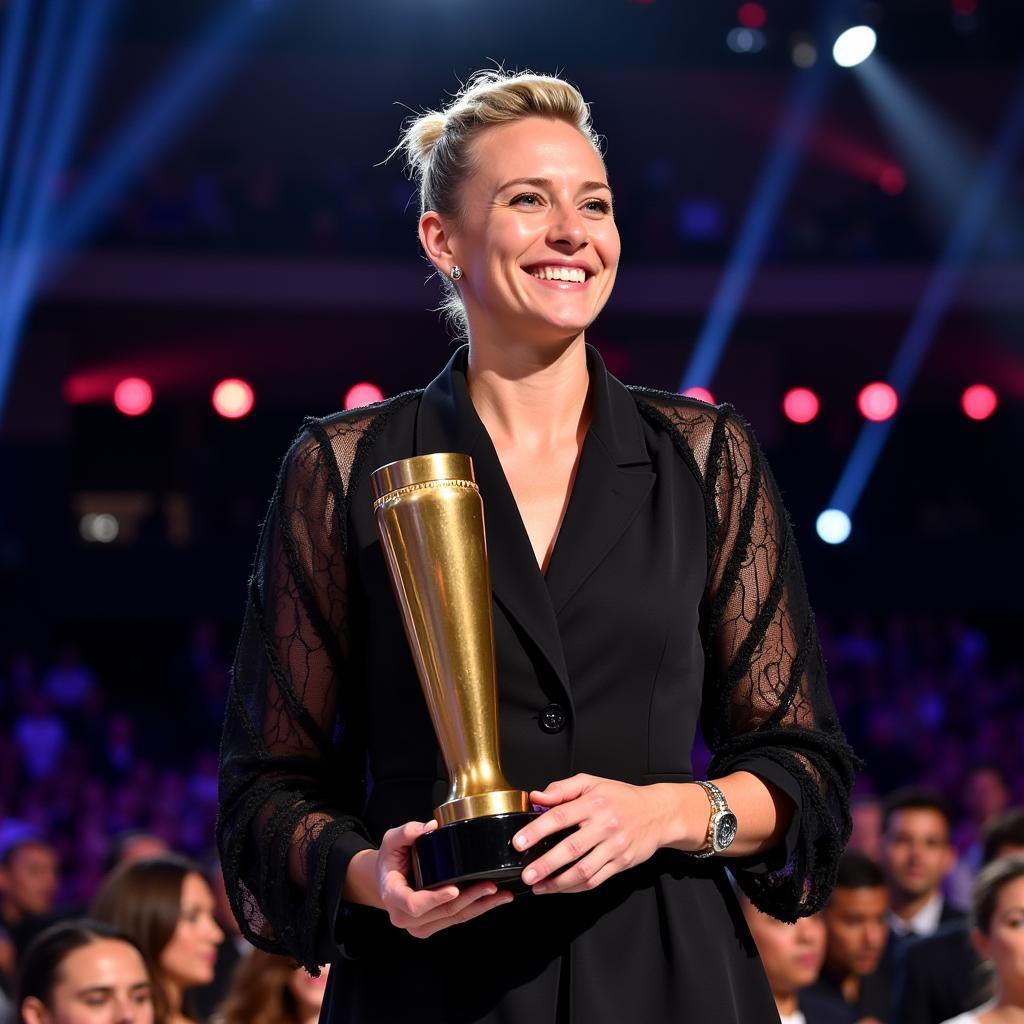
x=165 y=904
x=986 y=794
x=917 y=855
x=28 y=882
x=207 y=998
x=269 y=989
x=132 y=845
x=84 y=972
x=792 y=955
x=866 y=838
x=997 y=920
x=856 y=928
x=940 y=976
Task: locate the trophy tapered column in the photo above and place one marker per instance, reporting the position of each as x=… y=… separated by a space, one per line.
x=430 y=521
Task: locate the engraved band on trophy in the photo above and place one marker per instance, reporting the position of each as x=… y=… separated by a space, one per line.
x=430 y=520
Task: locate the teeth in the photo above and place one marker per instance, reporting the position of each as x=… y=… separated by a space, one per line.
x=560 y=274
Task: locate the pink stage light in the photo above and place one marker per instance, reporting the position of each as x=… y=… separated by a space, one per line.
x=800 y=405
x=878 y=401
x=133 y=396
x=751 y=15
x=232 y=398
x=979 y=401
x=363 y=393
x=892 y=180
x=702 y=393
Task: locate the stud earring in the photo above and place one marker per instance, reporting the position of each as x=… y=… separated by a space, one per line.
x=456 y=272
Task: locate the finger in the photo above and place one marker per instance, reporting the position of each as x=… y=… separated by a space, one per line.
x=476 y=908
x=600 y=876
x=416 y=903
x=574 y=846
x=551 y=821
x=563 y=790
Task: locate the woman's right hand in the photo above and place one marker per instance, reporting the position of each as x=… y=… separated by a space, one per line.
x=421 y=912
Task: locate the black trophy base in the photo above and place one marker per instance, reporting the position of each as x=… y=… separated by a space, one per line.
x=477 y=850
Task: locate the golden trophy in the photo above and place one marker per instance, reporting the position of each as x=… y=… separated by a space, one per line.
x=430 y=519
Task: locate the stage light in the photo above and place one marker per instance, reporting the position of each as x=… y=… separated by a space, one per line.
x=854 y=46
x=751 y=15
x=965 y=8
x=893 y=180
x=833 y=526
x=979 y=401
x=702 y=393
x=133 y=396
x=804 y=54
x=878 y=401
x=745 y=40
x=362 y=394
x=232 y=398
x=800 y=405
x=99 y=528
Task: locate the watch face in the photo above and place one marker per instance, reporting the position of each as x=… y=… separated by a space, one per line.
x=725 y=830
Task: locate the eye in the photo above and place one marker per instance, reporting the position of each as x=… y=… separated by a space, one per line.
x=525 y=195
x=602 y=204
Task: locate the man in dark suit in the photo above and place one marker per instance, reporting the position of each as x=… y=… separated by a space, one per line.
x=917 y=855
x=940 y=976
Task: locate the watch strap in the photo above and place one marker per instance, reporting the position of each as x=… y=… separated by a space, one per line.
x=718 y=804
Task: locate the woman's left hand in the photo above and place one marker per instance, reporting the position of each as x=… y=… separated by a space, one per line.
x=619 y=826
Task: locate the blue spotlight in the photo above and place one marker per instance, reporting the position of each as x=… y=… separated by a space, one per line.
x=772 y=187
x=10 y=68
x=833 y=526
x=941 y=289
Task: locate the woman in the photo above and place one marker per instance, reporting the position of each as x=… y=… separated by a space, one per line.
x=997 y=920
x=269 y=989
x=165 y=904
x=84 y=972
x=643 y=574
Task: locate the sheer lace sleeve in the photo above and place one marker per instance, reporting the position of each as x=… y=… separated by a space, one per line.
x=292 y=760
x=766 y=706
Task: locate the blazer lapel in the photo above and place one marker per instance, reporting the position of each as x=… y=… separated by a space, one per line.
x=447 y=421
x=613 y=480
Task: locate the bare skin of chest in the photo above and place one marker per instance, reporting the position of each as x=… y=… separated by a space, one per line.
x=541 y=484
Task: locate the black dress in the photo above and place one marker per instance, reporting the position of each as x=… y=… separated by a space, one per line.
x=674 y=592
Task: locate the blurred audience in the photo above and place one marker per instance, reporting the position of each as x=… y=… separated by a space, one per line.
x=28 y=882
x=940 y=976
x=166 y=905
x=270 y=989
x=85 y=972
x=856 y=929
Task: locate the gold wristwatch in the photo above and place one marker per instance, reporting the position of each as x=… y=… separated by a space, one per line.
x=722 y=825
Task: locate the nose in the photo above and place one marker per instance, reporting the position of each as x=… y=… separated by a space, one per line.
x=123 y=1012
x=567 y=227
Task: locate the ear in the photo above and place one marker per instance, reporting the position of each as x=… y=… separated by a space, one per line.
x=978 y=938
x=34 y=1011
x=436 y=239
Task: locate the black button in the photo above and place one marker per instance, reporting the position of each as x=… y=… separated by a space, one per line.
x=553 y=718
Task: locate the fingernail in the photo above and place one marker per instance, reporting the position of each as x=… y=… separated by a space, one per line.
x=539 y=889
x=529 y=875
x=520 y=842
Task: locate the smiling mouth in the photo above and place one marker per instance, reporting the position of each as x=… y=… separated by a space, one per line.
x=559 y=283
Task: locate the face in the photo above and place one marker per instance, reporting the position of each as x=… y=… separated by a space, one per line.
x=856 y=929
x=987 y=794
x=188 y=959
x=867 y=829
x=308 y=992
x=792 y=953
x=509 y=230
x=102 y=983
x=916 y=851
x=30 y=879
x=1004 y=943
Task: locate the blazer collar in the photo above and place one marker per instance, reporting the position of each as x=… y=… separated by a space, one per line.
x=612 y=480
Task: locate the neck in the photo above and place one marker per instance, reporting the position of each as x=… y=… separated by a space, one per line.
x=175 y=996
x=1009 y=1004
x=311 y=1016
x=786 y=1003
x=848 y=982
x=10 y=912
x=528 y=398
x=905 y=906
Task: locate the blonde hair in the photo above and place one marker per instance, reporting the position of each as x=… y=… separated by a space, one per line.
x=437 y=143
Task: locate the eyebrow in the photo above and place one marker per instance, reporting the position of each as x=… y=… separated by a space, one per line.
x=546 y=183
x=109 y=988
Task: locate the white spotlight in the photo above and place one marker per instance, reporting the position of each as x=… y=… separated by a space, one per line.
x=833 y=526
x=854 y=46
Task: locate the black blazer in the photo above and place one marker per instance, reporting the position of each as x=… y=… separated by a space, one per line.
x=674 y=593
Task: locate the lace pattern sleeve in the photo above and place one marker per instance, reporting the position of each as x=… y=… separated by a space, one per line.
x=766 y=706
x=291 y=760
